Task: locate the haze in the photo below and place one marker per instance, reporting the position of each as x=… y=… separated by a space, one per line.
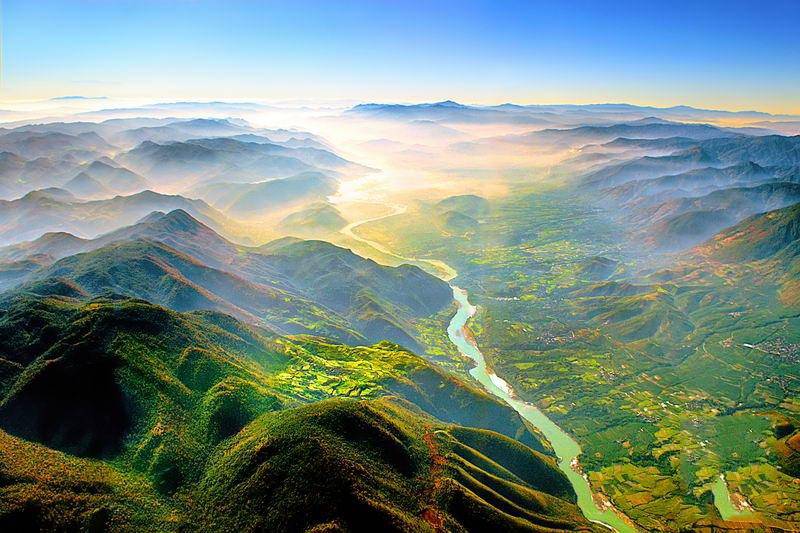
x=410 y=267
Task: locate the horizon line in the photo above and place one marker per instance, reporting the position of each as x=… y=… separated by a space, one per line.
x=300 y=102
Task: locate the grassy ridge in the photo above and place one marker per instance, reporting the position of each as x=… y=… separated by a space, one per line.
x=157 y=416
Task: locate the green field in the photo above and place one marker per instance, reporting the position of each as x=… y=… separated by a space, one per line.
x=667 y=370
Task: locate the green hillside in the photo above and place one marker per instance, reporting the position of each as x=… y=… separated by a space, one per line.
x=298 y=287
x=314 y=220
x=758 y=237
x=668 y=371
x=165 y=416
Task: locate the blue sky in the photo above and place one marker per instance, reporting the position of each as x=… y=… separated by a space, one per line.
x=734 y=55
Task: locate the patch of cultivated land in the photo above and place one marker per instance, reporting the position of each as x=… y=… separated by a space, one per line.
x=666 y=375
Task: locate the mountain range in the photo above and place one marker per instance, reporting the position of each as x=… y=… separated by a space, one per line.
x=203 y=360
x=166 y=415
x=292 y=286
x=49 y=210
x=245 y=200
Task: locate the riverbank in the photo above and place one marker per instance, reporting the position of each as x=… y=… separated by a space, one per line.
x=564 y=446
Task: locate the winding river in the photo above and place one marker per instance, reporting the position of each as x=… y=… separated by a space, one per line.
x=564 y=446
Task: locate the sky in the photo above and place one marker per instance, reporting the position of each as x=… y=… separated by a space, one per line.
x=723 y=55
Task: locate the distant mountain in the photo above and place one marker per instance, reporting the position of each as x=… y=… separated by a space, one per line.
x=699 y=182
x=583 y=114
x=77 y=97
x=737 y=202
x=52 y=210
x=53 y=245
x=682 y=231
x=31 y=145
x=660 y=144
x=11 y=166
x=253 y=199
x=458 y=223
x=19 y=176
x=647 y=130
x=115 y=178
x=228 y=160
x=771 y=150
x=647 y=167
x=291 y=142
x=683 y=222
x=785 y=127
x=179 y=130
x=173 y=162
x=761 y=236
x=467 y=204
x=620 y=112
x=315 y=157
x=85 y=186
x=315 y=220
x=447 y=111
x=765 y=151
x=672 y=202
x=172 y=153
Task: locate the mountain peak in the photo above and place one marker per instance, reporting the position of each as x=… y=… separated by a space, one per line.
x=176 y=220
x=650 y=120
x=52 y=193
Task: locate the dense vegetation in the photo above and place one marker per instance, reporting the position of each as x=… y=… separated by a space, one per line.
x=289 y=285
x=667 y=374
x=152 y=417
x=169 y=363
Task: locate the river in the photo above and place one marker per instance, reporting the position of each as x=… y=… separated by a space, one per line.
x=724 y=503
x=564 y=446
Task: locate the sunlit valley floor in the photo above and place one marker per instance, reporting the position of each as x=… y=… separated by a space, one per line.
x=212 y=322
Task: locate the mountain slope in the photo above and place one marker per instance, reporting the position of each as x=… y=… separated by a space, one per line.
x=405 y=473
x=645 y=130
x=698 y=182
x=85 y=186
x=380 y=300
x=758 y=237
x=298 y=287
x=647 y=167
x=41 y=212
x=467 y=204
x=314 y=220
x=253 y=199
x=197 y=161
x=736 y=202
x=191 y=411
x=52 y=245
x=157 y=273
x=118 y=179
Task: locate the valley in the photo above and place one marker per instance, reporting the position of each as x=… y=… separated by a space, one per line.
x=584 y=332
x=532 y=352
x=565 y=448
x=399 y=267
